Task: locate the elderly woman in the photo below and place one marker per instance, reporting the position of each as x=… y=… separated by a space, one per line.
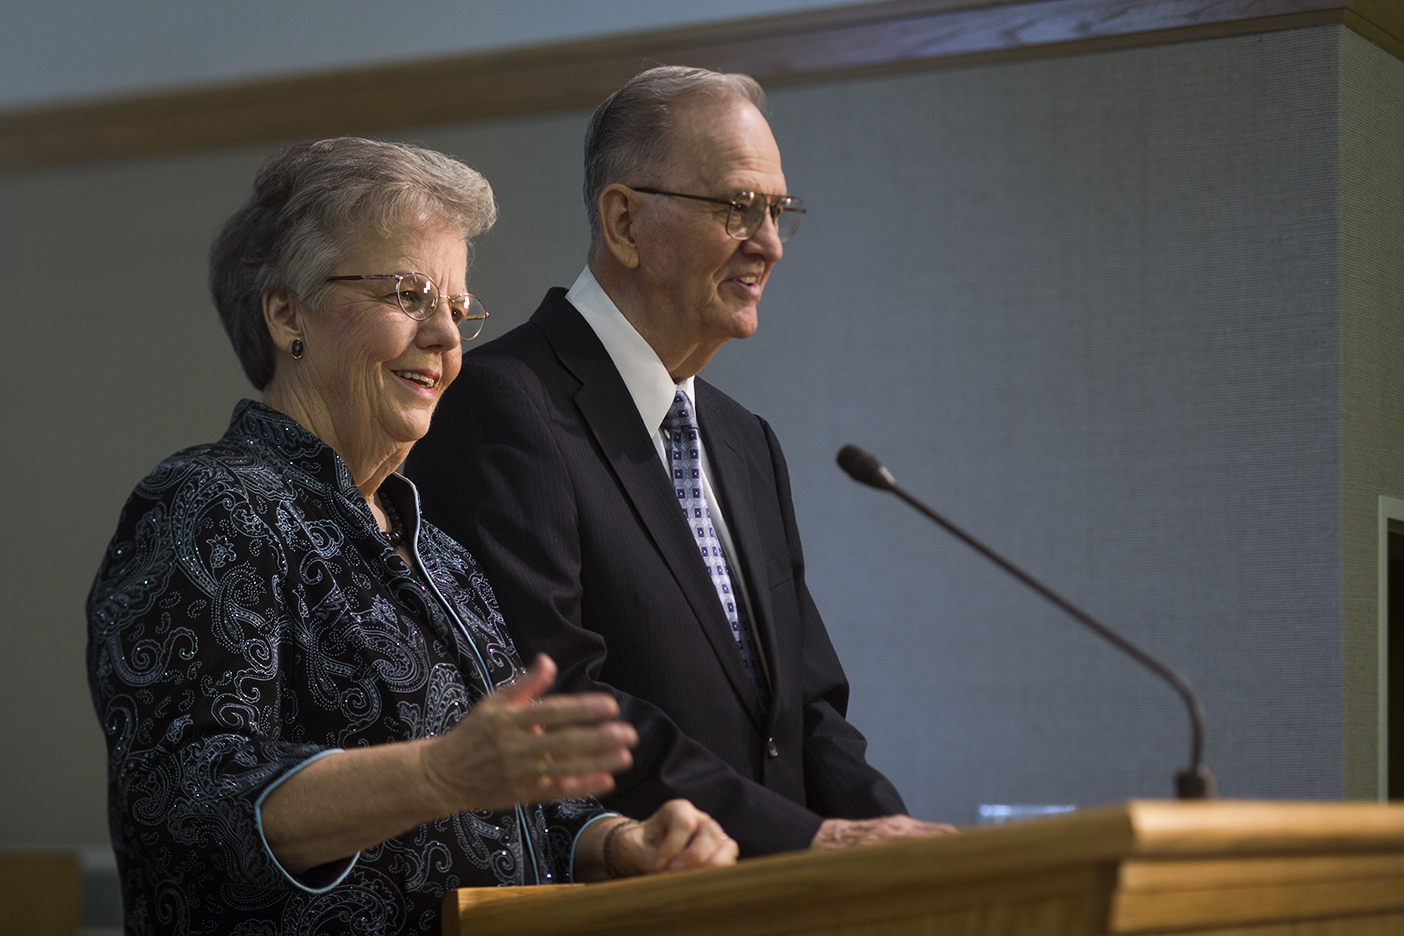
x=315 y=716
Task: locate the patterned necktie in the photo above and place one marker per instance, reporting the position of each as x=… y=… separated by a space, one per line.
x=685 y=461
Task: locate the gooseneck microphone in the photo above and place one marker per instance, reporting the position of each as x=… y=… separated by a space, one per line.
x=1195 y=783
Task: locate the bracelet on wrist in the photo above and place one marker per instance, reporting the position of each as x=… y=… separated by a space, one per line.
x=612 y=870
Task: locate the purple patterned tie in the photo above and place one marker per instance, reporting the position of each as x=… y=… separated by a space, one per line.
x=685 y=462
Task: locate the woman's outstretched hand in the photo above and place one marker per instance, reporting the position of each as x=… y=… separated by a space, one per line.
x=517 y=747
x=513 y=747
x=676 y=837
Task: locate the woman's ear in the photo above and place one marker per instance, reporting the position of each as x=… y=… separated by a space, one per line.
x=620 y=225
x=282 y=313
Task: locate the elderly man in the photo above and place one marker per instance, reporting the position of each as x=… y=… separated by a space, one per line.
x=648 y=559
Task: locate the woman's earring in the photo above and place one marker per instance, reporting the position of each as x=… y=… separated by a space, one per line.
x=296 y=349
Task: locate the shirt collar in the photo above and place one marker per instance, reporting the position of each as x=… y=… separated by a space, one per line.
x=648 y=381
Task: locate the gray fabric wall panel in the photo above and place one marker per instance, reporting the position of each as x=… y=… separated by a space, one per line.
x=124 y=365
x=1372 y=375
x=1088 y=307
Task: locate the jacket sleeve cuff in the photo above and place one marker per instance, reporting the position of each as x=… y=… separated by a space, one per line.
x=316 y=880
x=576 y=841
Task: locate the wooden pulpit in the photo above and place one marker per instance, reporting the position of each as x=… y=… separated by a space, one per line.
x=41 y=893
x=1219 y=867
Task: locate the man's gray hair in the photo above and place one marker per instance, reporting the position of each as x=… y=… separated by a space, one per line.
x=311 y=204
x=631 y=133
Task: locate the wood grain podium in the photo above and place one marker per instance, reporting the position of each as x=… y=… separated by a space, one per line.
x=1220 y=867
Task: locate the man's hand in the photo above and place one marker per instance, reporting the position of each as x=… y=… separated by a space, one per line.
x=841 y=833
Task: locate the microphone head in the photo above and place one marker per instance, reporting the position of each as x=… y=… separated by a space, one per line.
x=864 y=468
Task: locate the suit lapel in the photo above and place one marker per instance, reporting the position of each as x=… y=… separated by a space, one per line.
x=611 y=416
x=735 y=480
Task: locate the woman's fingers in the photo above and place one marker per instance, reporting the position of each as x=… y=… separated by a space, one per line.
x=680 y=836
x=523 y=698
x=677 y=836
x=517 y=747
x=559 y=711
x=668 y=831
x=579 y=759
x=530 y=685
x=555 y=767
x=565 y=743
x=709 y=847
x=534 y=775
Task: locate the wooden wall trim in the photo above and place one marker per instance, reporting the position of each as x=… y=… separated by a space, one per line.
x=1380 y=21
x=813 y=46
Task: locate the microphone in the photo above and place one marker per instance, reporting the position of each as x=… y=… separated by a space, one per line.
x=1195 y=783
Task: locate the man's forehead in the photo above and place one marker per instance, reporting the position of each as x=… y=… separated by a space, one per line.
x=724 y=143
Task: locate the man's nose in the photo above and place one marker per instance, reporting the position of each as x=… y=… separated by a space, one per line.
x=766 y=241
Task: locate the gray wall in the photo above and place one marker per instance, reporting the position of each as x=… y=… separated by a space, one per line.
x=61 y=50
x=1372 y=379
x=122 y=362
x=1089 y=307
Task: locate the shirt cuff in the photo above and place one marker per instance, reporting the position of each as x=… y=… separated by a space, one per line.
x=323 y=877
x=576 y=840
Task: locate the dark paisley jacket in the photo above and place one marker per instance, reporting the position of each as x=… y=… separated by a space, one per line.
x=249 y=617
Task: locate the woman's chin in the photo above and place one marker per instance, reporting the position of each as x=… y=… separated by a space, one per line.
x=407 y=426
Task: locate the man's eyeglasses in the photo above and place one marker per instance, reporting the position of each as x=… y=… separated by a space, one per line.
x=418 y=297
x=748 y=211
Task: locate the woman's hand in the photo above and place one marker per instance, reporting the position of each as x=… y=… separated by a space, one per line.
x=517 y=747
x=676 y=837
x=513 y=747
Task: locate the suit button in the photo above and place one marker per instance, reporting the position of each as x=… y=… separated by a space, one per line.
x=771 y=748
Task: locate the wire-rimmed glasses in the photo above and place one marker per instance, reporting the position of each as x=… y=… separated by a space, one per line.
x=418 y=297
x=748 y=211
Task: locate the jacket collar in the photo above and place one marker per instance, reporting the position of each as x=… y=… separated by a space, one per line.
x=285 y=441
x=609 y=411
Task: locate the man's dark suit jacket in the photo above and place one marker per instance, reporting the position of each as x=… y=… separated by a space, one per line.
x=539 y=463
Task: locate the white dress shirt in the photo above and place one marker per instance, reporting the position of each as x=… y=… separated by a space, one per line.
x=652 y=388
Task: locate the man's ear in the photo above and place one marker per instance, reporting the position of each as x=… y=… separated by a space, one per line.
x=619 y=225
x=282 y=313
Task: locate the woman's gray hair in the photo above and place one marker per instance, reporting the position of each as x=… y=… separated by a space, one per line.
x=631 y=132
x=313 y=202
